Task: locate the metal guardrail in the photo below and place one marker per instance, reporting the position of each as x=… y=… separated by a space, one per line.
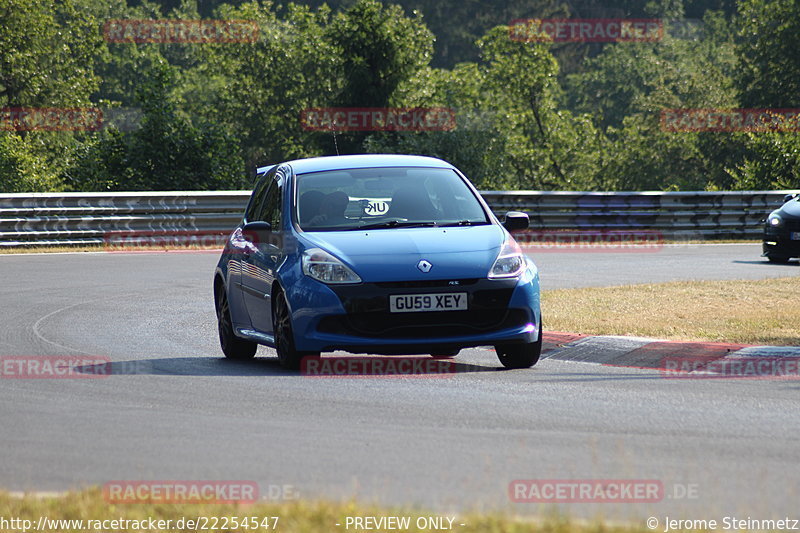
x=673 y=214
x=93 y=218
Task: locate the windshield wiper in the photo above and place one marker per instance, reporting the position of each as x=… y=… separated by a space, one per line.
x=464 y=223
x=395 y=224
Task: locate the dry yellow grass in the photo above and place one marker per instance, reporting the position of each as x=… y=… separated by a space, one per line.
x=49 y=249
x=296 y=516
x=742 y=311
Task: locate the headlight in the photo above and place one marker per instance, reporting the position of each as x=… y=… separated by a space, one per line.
x=510 y=262
x=324 y=267
x=774 y=221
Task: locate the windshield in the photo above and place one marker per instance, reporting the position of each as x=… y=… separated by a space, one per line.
x=380 y=198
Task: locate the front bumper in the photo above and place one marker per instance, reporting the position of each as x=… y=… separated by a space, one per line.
x=777 y=242
x=356 y=318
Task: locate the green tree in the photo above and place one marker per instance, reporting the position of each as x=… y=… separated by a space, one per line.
x=257 y=91
x=21 y=167
x=642 y=77
x=770 y=40
x=626 y=88
x=47 y=56
x=47 y=52
x=772 y=162
x=547 y=147
x=476 y=145
x=380 y=48
x=510 y=132
x=168 y=152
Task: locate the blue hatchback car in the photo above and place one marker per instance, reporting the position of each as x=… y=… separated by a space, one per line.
x=379 y=254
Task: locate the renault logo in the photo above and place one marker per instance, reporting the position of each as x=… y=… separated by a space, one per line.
x=424 y=266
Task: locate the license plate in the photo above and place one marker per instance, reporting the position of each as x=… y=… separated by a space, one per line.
x=795 y=235
x=409 y=303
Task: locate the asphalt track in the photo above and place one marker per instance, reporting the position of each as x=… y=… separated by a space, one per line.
x=174 y=409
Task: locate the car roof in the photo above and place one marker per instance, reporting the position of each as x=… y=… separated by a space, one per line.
x=344 y=162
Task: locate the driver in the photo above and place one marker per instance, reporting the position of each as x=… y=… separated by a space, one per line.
x=331 y=210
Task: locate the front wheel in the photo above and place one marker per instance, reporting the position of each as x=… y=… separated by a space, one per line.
x=288 y=356
x=780 y=259
x=445 y=354
x=522 y=355
x=232 y=346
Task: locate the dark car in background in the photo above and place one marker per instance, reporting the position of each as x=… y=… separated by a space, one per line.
x=782 y=231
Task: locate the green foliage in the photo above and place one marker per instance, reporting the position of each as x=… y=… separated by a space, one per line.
x=630 y=78
x=627 y=86
x=168 y=152
x=47 y=51
x=509 y=132
x=21 y=168
x=770 y=40
x=459 y=24
x=520 y=78
x=477 y=145
x=773 y=163
x=257 y=91
x=529 y=116
x=379 y=48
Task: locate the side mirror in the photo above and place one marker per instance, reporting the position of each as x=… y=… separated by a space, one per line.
x=516 y=221
x=257 y=232
x=789 y=198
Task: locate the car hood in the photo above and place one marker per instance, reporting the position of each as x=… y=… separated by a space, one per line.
x=393 y=254
x=790 y=209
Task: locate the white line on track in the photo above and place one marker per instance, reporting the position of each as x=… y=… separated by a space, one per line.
x=36 y=324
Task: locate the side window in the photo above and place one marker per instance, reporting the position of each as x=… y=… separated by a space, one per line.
x=258 y=196
x=270 y=209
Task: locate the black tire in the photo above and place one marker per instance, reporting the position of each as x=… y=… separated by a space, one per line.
x=780 y=259
x=288 y=356
x=445 y=355
x=232 y=346
x=522 y=355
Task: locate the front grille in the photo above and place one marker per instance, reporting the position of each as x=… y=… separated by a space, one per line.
x=792 y=225
x=424 y=325
x=368 y=315
x=374 y=298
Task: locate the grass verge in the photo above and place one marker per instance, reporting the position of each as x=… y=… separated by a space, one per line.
x=741 y=311
x=296 y=516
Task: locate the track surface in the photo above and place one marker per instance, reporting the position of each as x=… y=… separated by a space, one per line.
x=174 y=409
